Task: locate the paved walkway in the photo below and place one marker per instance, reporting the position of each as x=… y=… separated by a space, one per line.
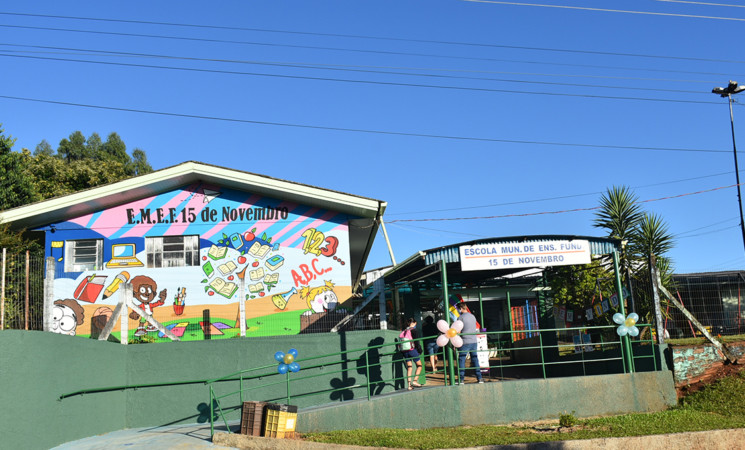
x=197 y=436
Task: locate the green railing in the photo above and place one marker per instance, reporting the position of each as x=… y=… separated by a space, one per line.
x=266 y=384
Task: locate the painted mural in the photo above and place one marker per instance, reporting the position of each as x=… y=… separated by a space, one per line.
x=201 y=261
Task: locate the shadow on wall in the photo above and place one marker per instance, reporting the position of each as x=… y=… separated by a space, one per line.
x=368 y=364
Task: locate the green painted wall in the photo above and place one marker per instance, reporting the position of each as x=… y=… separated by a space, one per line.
x=499 y=403
x=36 y=368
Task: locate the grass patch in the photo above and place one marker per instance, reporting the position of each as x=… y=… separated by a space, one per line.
x=718 y=406
x=703 y=340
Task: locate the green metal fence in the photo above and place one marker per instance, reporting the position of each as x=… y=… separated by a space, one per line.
x=550 y=354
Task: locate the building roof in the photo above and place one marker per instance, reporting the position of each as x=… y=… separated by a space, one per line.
x=425 y=263
x=362 y=231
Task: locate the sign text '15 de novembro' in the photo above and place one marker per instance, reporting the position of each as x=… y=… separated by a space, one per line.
x=524 y=254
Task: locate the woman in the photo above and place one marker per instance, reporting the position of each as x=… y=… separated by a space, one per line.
x=412 y=354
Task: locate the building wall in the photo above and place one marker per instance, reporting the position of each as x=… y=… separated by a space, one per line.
x=200 y=247
x=696 y=363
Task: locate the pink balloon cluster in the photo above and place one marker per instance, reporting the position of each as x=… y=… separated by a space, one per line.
x=451 y=333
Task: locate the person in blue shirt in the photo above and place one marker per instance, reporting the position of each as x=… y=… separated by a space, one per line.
x=469 y=343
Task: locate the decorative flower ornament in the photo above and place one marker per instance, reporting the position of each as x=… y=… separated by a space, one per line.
x=627 y=325
x=451 y=333
x=287 y=361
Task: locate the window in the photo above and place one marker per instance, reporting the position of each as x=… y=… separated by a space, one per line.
x=172 y=251
x=85 y=254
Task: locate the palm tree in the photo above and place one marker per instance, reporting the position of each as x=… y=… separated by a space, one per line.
x=620 y=215
x=619 y=212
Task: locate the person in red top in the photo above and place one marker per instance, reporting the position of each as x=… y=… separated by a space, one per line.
x=412 y=355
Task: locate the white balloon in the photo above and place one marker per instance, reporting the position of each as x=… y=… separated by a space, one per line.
x=442 y=340
x=442 y=326
x=457 y=341
x=458 y=326
x=622 y=330
x=633 y=331
x=634 y=316
x=618 y=318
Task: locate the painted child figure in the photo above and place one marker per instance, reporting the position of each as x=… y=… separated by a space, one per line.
x=143 y=290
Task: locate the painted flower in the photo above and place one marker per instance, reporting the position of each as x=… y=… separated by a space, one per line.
x=627 y=325
x=451 y=333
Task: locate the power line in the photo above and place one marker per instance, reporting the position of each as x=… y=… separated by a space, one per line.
x=563 y=197
x=584 y=8
x=316 y=65
x=369 y=37
x=233 y=72
x=90 y=52
x=358 y=130
x=306 y=47
x=379 y=83
x=444 y=219
x=701 y=3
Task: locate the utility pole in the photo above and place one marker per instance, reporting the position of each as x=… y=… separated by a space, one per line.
x=731 y=89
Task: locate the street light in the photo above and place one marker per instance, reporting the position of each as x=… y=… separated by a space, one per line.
x=731 y=89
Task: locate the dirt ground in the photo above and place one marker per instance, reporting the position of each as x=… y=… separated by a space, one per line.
x=723 y=371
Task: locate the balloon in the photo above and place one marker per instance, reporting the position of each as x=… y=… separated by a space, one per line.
x=457 y=341
x=451 y=332
x=618 y=318
x=634 y=331
x=622 y=330
x=288 y=358
x=442 y=340
x=282 y=368
x=293 y=352
x=294 y=367
x=442 y=326
x=634 y=316
x=279 y=356
x=630 y=322
x=458 y=326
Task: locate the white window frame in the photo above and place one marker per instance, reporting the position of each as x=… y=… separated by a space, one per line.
x=167 y=251
x=83 y=254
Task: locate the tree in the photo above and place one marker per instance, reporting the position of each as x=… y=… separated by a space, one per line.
x=82 y=163
x=43 y=148
x=16 y=186
x=644 y=234
x=73 y=149
x=139 y=165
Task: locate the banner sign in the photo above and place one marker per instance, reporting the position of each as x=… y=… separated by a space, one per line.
x=524 y=254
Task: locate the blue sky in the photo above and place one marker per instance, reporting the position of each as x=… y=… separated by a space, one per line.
x=475 y=91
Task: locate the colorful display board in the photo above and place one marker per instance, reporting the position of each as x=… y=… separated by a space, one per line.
x=201 y=248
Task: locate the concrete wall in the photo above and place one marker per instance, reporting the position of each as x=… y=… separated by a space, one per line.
x=499 y=403
x=695 y=363
x=36 y=368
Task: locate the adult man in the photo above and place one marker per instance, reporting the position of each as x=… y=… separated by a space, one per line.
x=469 y=343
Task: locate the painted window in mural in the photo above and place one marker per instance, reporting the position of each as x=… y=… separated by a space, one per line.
x=172 y=251
x=83 y=255
x=204 y=262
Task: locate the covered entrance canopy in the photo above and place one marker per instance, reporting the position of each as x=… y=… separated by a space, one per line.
x=507 y=268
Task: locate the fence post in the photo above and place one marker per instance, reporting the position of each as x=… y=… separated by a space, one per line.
x=48 y=294
x=656 y=296
x=127 y=293
x=2 y=296
x=28 y=285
